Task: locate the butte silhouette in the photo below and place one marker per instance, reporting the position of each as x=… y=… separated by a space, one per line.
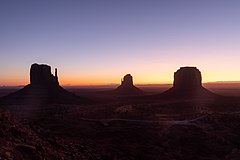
x=43 y=88
x=127 y=87
x=188 y=85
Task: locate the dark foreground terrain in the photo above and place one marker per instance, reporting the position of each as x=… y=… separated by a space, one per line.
x=121 y=128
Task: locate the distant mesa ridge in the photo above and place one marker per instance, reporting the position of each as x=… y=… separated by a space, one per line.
x=127 y=87
x=44 y=87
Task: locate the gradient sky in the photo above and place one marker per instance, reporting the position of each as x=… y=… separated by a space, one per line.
x=99 y=41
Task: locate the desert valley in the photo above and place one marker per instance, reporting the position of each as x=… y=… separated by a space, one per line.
x=184 y=121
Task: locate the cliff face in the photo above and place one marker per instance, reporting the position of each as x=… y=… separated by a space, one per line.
x=187 y=78
x=41 y=75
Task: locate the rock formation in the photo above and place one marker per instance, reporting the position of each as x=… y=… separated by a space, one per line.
x=41 y=75
x=187 y=84
x=43 y=88
x=127 y=81
x=187 y=78
x=127 y=87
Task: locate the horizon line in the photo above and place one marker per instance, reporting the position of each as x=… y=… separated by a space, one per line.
x=116 y=84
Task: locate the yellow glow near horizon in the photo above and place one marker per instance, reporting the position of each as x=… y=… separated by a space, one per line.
x=139 y=78
x=150 y=71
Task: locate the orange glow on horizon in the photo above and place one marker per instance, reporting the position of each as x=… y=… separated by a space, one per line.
x=153 y=78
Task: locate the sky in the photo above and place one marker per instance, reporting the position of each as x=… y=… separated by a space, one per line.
x=96 y=42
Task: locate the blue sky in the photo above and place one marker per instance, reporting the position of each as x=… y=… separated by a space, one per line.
x=98 y=41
